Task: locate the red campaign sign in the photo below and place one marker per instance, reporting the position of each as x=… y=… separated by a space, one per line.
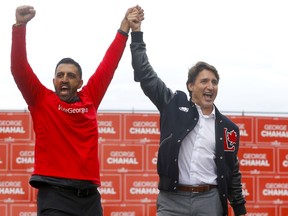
x=283 y=211
x=282 y=160
x=111 y=188
x=151 y=157
x=249 y=188
x=257 y=160
x=3 y=157
x=142 y=127
x=21 y=209
x=267 y=210
x=246 y=127
x=3 y=210
x=14 y=187
x=272 y=189
x=122 y=158
x=15 y=126
x=141 y=187
x=124 y=209
x=272 y=130
x=22 y=157
x=151 y=209
x=255 y=210
x=109 y=127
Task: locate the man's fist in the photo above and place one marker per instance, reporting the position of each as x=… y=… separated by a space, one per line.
x=24 y=14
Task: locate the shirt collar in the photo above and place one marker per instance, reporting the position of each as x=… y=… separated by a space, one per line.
x=211 y=115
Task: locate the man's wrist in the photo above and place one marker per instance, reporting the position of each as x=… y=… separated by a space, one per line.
x=123 y=32
x=19 y=24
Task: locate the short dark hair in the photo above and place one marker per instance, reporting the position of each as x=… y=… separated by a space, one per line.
x=196 y=69
x=70 y=61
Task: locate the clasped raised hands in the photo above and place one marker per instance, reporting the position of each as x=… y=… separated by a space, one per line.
x=135 y=18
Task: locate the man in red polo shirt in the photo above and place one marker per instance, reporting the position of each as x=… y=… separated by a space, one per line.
x=66 y=147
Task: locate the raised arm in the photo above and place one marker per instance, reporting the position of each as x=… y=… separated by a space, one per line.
x=100 y=80
x=153 y=87
x=26 y=80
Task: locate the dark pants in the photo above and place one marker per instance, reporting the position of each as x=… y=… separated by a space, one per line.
x=57 y=202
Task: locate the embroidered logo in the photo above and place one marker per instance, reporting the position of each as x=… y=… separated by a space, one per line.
x=184 y=109
x=230 y=139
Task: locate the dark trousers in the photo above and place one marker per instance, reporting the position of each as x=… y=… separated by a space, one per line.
x=56 y=202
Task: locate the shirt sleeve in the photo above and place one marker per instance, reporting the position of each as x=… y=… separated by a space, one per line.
x=25 y=79
x=98 y=83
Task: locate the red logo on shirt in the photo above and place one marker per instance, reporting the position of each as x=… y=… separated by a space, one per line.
x=230 y=139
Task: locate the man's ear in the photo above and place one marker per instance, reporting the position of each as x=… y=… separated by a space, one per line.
x=80 y=84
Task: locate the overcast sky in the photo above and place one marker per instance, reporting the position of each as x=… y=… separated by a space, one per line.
x=247 y=41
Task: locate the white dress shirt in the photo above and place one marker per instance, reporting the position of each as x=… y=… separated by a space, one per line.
x=197 y=153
